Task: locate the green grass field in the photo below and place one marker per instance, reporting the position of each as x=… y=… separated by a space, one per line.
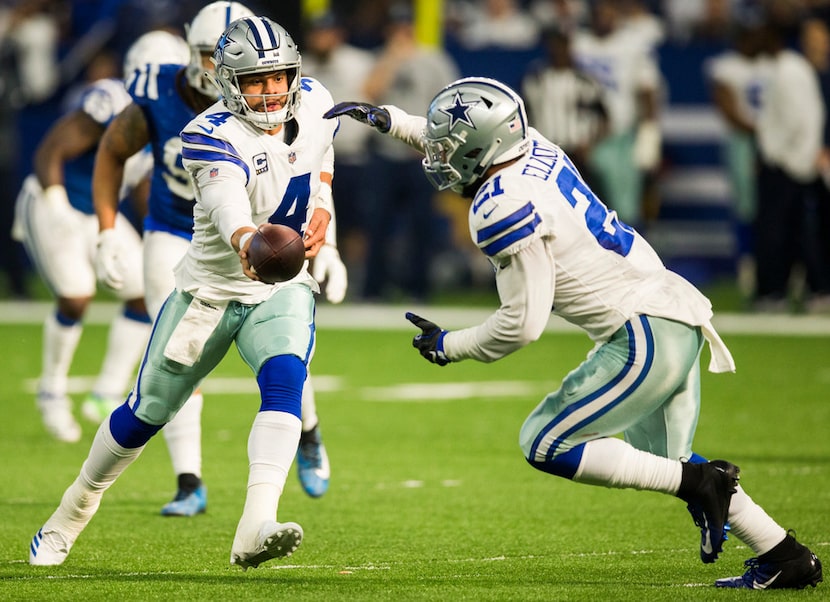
x=430 y=497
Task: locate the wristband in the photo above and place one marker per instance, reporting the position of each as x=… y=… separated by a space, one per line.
x=244 y=239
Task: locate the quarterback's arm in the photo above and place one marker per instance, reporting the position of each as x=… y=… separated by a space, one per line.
x=525 y=286
x=222 y=194
x=126 y=135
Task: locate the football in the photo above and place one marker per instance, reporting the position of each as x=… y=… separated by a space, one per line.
x=276 y=253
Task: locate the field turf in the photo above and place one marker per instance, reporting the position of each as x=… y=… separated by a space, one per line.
x=430 y=498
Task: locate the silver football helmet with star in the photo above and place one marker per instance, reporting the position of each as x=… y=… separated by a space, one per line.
x=254 y=45
x=472 y=124
x=202 y=33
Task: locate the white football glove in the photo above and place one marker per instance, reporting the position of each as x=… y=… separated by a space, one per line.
x=647 y=145
x=330 y=268
x=109 y=260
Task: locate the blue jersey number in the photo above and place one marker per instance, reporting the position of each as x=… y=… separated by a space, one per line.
x=610 y=232
x=294 y=204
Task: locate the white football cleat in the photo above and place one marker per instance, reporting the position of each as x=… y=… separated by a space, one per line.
x=48 y=548
x=57 y=417
x=275 y=540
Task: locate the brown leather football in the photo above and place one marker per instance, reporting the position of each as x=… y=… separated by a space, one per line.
x=276 y=253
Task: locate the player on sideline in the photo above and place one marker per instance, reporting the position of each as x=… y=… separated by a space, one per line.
x=555 y=246
x=258 y=155
x=164 y=101
x=56 y=222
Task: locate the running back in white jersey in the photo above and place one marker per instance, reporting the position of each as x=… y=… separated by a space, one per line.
x=282 y=181
x=606 y=273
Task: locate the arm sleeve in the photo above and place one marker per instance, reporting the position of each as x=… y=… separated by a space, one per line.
x=525 y=286
x=224 y=198
x=406 y=127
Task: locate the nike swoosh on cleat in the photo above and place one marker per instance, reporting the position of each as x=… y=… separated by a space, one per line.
x=706 y=545
x=765 y=584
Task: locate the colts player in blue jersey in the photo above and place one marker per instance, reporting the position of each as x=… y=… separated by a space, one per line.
x=56 y=222
x=165 y=99
x=556 y=247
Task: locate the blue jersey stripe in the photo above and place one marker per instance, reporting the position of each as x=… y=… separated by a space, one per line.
x=504 y=224
x=210 y=156
x=607 y=397
x=203 y=140
x=507 y=240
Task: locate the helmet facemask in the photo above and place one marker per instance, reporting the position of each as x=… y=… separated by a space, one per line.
x=472 y=124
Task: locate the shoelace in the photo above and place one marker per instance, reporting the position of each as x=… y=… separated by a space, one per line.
x=311 y=452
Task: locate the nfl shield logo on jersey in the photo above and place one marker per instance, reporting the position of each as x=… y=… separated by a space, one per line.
x=292 y=156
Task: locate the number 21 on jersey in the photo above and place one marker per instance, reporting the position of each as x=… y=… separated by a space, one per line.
x=603 y=224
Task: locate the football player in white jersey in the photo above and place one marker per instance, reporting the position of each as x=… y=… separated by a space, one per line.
x=738 y=77
x=56 y=222
x=556 y=247
x=622 y=62
x=164 y=101
x=257 y=155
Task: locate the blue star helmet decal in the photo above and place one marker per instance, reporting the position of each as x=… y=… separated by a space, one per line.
x=458 y=111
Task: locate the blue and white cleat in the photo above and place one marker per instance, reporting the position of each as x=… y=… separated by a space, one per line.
x=56 y=411
x=313 y=463
x=803 y=569
x=48 y=548
x=274 y=540
x=187 y=503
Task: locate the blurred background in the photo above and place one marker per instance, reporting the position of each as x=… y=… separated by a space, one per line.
x=660 y=102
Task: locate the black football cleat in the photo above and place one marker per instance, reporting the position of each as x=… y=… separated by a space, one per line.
x=803 y=568
x=708 y=497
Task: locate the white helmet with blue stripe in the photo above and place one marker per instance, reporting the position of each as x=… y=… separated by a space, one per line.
x=157 y=47
x=472 y=124
x=257 y=45
x=202 y=33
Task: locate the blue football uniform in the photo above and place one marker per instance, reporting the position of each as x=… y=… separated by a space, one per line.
x=170 y=207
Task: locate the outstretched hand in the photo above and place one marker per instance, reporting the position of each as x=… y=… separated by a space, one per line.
x=363 y=112
x=431 y=340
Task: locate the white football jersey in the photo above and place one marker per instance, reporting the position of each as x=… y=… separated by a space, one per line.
x=605 y=272
x=744 y=76
x=244 y=176
x=622 y=63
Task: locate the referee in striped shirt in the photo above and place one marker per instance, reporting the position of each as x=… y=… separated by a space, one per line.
x=564 y=104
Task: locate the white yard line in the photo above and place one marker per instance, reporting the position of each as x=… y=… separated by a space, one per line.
x=361 y=316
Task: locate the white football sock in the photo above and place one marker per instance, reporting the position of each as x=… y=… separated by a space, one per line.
x=59 y=344
x=614 y=463
x=125 y=345
x=309 y=407
x=183 y=436
x=752 y=525
x=105 y=462
x=272 y=446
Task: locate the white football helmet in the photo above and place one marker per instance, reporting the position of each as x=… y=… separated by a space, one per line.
x=257 y=45
x=202 y=33
x=473 y=123
x=157 y=47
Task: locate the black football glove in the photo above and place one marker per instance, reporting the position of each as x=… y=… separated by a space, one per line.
x=363 y=112
x=431 y=340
